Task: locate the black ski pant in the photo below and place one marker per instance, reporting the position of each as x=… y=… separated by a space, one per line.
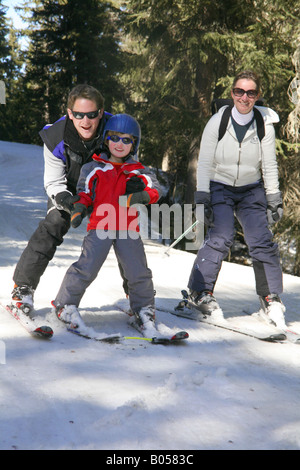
x=41 y=247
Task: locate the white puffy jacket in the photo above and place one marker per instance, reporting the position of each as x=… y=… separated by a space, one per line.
x=236 y=164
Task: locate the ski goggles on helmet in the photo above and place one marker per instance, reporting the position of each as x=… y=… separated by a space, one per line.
x=117 y=138
x=89 y=115
x=239 y=92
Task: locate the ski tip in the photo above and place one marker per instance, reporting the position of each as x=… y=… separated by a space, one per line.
x=180 y=335
x=277 y=338
x=43 y=332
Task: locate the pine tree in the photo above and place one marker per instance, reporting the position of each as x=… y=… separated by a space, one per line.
x=10 y=62
x=70 y=42
x=4 y=48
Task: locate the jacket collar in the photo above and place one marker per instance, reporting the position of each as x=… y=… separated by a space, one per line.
x=104 y=157
x=72 y=139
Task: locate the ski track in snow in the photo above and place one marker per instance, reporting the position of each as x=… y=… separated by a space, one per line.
x=219 y=390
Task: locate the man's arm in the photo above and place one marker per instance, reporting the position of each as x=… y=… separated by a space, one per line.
x=55 y=180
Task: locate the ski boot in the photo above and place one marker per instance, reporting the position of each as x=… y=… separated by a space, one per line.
x=273 y=309
x=22 y=299
x=206 y=303
x=144 y=320
x=69 y=314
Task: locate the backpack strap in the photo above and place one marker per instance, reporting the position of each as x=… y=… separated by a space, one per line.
x=259 y=124
x=257 y=116
x=224 y=121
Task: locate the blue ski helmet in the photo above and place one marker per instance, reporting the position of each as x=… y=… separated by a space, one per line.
x=125 y=124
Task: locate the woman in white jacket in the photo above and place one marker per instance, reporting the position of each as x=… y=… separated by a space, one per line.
x=238 y=176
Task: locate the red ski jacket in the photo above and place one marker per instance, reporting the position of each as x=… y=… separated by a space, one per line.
x=100 y=185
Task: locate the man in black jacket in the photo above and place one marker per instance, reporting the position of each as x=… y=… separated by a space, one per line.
x=68 y=144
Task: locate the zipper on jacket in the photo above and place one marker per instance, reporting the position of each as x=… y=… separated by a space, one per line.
x=238 y=164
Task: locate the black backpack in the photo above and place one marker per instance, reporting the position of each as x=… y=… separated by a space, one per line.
x=218 y=103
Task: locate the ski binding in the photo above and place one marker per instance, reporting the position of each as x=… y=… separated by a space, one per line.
x=152 y=334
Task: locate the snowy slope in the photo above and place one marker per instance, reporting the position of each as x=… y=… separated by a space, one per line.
x=220 y=390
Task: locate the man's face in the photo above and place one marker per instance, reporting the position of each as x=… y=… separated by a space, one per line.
x=86 y=127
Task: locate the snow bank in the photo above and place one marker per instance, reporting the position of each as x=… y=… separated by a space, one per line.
x=218 y=391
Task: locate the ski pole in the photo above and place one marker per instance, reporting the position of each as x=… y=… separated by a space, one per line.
x=181 y=236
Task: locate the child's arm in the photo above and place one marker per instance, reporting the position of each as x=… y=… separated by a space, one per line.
x=142 y=188
x=84 y=193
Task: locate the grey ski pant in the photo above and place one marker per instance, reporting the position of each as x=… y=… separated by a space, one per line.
x=249 y=205
x=131 y=256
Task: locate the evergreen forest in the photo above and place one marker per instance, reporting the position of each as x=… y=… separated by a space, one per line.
x=163 y=61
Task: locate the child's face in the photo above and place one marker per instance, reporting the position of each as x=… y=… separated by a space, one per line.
x=120 y=149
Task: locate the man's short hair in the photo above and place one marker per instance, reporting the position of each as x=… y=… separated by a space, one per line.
x=87 y=92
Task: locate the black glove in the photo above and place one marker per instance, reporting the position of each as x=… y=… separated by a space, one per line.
x=65 y=201
x=134 y=185
x=202 y=197
x=142 y=197
x=274 y=207
x=78 y=214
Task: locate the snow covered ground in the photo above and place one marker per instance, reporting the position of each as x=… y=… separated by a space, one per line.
x=220 y=390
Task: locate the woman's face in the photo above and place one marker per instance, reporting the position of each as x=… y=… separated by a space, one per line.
x=244 y=103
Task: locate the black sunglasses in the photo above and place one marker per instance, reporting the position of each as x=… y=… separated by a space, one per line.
x=90 y=115
x=239 y=92
x=116 y=138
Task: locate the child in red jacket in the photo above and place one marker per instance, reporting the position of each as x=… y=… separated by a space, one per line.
x=107 y=188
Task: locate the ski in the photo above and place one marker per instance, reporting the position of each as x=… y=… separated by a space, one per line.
x=291 y=336
x=114 y=338
x=81 y=329
x=29 y=323
x=186 y=309
x=273 y=338
x=117 y=338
